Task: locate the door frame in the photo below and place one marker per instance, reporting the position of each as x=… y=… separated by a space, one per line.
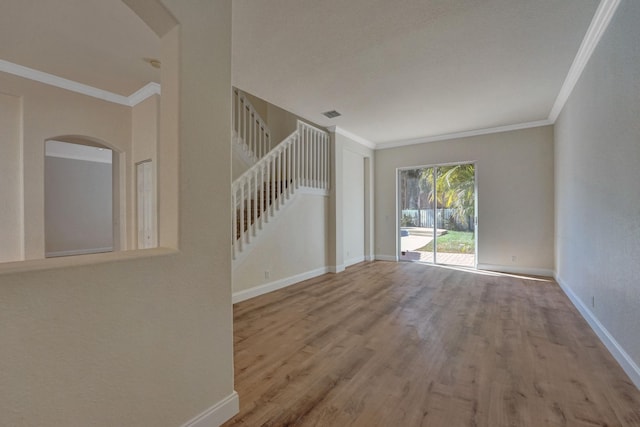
x=399 y=209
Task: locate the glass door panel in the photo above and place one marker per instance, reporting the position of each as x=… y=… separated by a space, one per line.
x=455 y=214
x=416 y=214
x=437 y=214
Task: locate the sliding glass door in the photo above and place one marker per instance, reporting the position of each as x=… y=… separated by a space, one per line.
x=436 y=212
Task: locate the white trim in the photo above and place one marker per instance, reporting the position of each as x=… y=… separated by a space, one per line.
x=29 y=265
x=465 y=134
x=360 y=140
x=596 y=29
x=616 y=350
x=386 y=258
x=354 y=260
x=336 y=268
x=217 y=414
x=78 y=252
x=73 y=86
x=278 y=284
x=242 y=150
x=146 y=91
x=532 y=271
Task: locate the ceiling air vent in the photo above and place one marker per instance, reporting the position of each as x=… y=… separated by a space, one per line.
x=331 y=114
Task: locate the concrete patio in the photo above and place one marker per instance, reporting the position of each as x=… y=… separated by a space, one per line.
x=418 y=238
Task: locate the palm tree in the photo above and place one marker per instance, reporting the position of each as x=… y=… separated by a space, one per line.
x=456 y=188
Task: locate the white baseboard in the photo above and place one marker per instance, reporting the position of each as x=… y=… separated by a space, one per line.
x=354 y=260
x=217 y=414
x=531 y=271
x=386 y=258
x=77 y=252
x=336 y=268
x=278 y=284
x=616 y=350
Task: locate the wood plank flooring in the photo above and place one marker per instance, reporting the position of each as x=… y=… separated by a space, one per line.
x=405 y=344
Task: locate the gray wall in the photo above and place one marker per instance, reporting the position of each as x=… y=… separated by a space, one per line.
x=597 y=187
x=78 y=206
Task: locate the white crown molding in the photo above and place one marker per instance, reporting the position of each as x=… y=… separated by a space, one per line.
x=146 y=91
x=73 y=86
x=465 y=134
x=598 y=26
x=360 y=140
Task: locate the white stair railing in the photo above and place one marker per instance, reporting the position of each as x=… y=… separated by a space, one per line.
x=301 y=160
x=249 y=128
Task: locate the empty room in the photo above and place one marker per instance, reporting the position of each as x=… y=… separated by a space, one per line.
x=363 y=213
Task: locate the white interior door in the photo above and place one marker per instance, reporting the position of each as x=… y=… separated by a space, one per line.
x=146 y=207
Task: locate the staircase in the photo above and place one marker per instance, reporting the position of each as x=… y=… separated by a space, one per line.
x=251 y=135
x=300 y=162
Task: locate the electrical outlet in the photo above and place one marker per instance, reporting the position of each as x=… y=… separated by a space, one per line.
x=514 y=258
x=267 y=274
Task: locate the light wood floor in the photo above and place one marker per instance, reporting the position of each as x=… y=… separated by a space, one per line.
x=403 y=345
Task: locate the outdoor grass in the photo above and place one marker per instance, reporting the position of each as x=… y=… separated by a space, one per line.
x=456 y=242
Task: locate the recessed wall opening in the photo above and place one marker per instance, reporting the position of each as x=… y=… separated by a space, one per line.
x=81 y=197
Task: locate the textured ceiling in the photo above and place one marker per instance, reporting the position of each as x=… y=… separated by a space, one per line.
x=100 y=43
x=396 y=70
x=400 y=70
